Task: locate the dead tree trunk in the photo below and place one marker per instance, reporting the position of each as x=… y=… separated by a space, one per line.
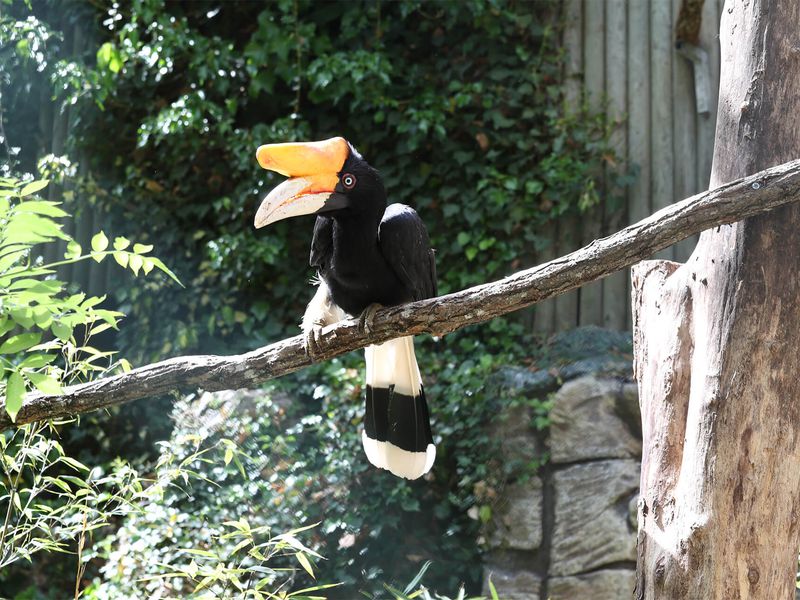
x=717 y=352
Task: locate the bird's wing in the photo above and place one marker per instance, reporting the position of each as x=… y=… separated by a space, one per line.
x=405 y=245
x=321 y=243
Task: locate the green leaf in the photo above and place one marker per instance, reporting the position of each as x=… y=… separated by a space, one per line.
x=99 y=242
x=120 y=243
x=11 y=259
x=417 y=578
x=23 y=316
x=60 y=483
x=157 y=262
x=78 y=466
x=17 y=343
x=493 y=590
x=15 y=391
x=74 y=250
x=36 y=361
x=121 y=258
x=6 y=325
x=30 y=228
x=108 y=57
x=45 y=383
x=135 y=263
x=61 y=330
x=485 y=513
x=43 y=207
x=142 y=248
x=199 y=552
x=305 y=563
x=33 y=187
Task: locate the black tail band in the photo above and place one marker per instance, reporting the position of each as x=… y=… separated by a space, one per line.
x=399 y=419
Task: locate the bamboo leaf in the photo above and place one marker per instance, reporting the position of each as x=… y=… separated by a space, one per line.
x=305 y=563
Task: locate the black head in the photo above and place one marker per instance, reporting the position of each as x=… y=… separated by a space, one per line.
x=361 y=184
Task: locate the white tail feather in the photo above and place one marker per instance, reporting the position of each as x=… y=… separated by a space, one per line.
x=411 y=465
x=393 y=364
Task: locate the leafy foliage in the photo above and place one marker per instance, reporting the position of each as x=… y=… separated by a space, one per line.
x=35 y=304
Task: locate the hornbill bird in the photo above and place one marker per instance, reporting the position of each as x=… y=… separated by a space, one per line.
x=366 y=254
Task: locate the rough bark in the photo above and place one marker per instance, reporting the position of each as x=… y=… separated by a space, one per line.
x=437 y=316
x=716 y=353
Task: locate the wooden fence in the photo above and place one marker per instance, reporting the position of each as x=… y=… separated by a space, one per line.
x=623 y=53
x=622 y=56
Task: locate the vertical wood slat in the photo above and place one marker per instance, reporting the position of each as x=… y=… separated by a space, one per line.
x=662 y=160
x=638 y=109
x=567 y=238
x=684 y=134
x=591 y=295
x=614 y=287
x=544 y=314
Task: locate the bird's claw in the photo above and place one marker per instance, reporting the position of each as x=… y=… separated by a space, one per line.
x=367 y=318
x=311 y=338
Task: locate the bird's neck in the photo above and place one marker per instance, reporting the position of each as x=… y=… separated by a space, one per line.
x=356 y=231
x=363 y=215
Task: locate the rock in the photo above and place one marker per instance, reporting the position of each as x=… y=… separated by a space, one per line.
x=517 y=522
x=608 y=366
x=519 y=442
x=512 y=584
x=609 y=584
x=518 y=381
x=592 y=527
x=592 y=418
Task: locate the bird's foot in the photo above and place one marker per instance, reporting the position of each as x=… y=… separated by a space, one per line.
x=367 y=318
x=311 y=337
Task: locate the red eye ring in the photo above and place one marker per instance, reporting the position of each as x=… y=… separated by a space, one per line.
x=348 y=181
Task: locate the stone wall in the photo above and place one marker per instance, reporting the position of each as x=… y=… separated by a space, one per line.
x=569 y=532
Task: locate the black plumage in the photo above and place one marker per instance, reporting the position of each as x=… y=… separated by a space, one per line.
x=368 y=253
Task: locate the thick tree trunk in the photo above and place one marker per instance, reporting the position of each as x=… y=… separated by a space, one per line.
x=717 y=352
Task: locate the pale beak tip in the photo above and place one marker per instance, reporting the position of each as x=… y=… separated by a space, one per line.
x=262 y=156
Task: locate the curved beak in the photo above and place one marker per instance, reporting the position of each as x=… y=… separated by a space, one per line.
x=313 y=169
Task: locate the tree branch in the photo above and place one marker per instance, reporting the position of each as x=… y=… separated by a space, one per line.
x=437 y=316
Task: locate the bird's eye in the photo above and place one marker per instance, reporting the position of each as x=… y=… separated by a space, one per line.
x=348 y=181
